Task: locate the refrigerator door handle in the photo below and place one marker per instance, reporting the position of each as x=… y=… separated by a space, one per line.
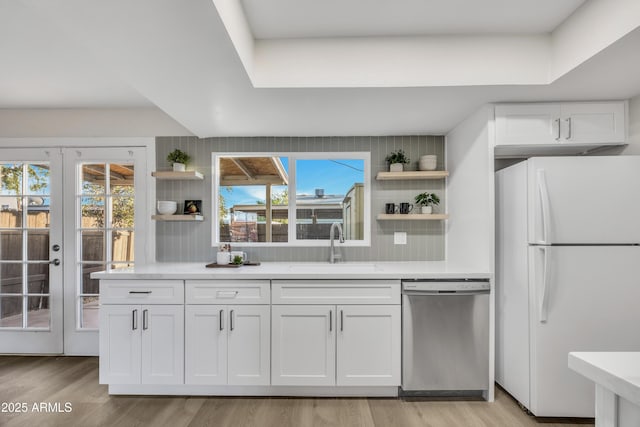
x=544 y=203
x=544 y=298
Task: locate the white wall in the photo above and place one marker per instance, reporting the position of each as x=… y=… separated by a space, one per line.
x=88 y=122
x=470 y=191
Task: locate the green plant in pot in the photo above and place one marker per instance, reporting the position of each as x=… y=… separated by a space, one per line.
x=179 y=159
x=396 y=160
x=427 y=201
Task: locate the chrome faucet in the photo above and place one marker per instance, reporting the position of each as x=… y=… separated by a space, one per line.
x=333 y=256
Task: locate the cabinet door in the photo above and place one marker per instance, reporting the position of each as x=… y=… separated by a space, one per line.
x=303 y=340
x=527 y=124
x=120 y=349
x=249 y=345
x=162 y=344
x=206 y=344
x=368 y=345
x=602 y=122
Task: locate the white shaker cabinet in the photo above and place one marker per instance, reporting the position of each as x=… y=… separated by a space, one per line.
x=304 y=345
x=141 y=344
x=354 y=342
x=228 y=343
x=368 y=345
x=579 y=123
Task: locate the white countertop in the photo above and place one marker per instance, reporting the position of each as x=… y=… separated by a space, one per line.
x=616 y=371
x=306 y=270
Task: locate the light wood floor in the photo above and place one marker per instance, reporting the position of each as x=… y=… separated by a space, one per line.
x=75 y=380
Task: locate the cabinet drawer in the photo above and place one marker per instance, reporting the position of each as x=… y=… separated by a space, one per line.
x=141 y=292
x=336 y=292
x=227 y=292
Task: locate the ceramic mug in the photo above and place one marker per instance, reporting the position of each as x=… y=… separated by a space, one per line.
x=405 y=208
x=223 y=258
x=241 y=254
x=390 y=208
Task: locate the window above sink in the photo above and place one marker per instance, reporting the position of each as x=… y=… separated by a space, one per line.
x=252 y=204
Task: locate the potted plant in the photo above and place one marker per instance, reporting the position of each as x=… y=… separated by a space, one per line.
x=396 y=160
x=427 y=201
x=179 y=159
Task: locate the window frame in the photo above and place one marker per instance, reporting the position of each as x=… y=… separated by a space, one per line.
x=293 y=241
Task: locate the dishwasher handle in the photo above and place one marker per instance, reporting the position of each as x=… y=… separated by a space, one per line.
x=444 y=293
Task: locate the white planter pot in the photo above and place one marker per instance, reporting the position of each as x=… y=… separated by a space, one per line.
x=426 y=209
x=395 y=167
x=179 y=167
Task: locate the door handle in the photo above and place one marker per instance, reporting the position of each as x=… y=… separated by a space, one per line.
x=558 y=123
x=544 y=298
x=55 y=261
x=231 y=316
x=221 y=315
x=568 y=128
x=134 y=320
x=330 y=320
x=341 y=320
x=544 y=203
x=145 y=320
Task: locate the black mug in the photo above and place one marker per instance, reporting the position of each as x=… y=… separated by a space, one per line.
x=390 y=208
x=405 y=208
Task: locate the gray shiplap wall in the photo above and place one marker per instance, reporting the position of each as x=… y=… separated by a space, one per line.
x=191 y=242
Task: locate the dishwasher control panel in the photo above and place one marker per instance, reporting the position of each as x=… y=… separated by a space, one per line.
x=445 y=286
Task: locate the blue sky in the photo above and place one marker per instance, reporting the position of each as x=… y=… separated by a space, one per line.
x=335 y=176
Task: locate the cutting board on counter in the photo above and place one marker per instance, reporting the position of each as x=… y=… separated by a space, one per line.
x=215 y=265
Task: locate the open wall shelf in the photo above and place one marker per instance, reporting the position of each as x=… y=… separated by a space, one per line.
x=391 y=176
x=412 y=217
x=177 y=217
x=171 y=175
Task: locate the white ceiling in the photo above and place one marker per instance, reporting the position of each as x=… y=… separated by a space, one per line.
x=42 y=67
x=178 y=56
x=271 y=19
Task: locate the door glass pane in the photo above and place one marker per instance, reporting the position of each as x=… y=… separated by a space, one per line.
x=121 y=175
x=10 y=245
x=93 y=245
x=38 y=179
x=92 y=211
x=93 y=178
x=39 y=314
x=37 y=245
x=89 y=285
x=122 y=211
x=38 y=278
x=11 y=178
x=89 y=310
x=121 y=265
x=122 y=245
x=10 y=212
x=10 y=312
x=38 y=212
x=10 y=278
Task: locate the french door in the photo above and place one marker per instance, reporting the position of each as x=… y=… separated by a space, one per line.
x=31 y=271
x=65 y=213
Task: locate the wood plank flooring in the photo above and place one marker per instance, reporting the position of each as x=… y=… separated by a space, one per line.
x=75 y=380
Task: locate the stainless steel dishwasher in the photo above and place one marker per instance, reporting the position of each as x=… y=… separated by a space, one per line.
x=445 y=337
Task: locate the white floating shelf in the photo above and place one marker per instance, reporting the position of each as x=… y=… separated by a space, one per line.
x=177 y=217
x=171 y=175
x=388 y=176
x=413 y=217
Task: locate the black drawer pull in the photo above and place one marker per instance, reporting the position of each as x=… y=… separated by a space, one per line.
x=139 y=292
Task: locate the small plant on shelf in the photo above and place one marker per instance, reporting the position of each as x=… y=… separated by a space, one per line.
x=427 y=201
x=396 y=159
x=179 y=159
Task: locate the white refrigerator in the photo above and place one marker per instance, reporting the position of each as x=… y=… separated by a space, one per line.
x=567 y=274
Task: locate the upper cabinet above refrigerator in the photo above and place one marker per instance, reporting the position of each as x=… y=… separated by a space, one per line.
x=523 y=130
